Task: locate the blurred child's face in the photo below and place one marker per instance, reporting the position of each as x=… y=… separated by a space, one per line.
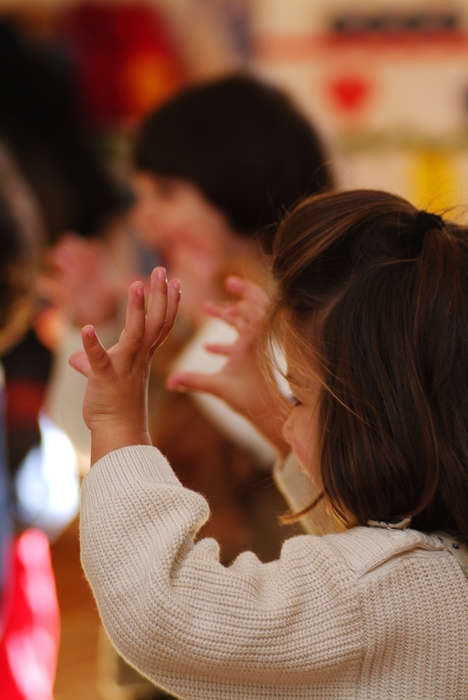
x=175 y=219
x=301 y=430
x=170 y=210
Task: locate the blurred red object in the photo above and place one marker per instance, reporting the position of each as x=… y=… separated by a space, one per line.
x=30 y=640
x=349 y=93
x=126 y=60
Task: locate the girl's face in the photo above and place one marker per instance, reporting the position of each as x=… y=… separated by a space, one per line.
x=170 y=212
x=197 y=244
x=301 y=430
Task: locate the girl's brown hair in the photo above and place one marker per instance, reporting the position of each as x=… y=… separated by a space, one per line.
x=375 y=295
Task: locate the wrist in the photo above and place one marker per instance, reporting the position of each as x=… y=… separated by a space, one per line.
x=111 y=438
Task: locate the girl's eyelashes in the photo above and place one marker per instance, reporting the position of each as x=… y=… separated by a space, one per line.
x=294 y=401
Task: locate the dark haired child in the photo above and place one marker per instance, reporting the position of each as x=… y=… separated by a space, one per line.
x=371 y=307
x=214 y=164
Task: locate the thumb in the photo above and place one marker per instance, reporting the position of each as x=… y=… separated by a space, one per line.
x=80 y=362
x=193 y=381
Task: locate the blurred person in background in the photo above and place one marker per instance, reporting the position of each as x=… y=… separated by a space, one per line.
x=215 y=168
x=39 y=122
x=40 y=126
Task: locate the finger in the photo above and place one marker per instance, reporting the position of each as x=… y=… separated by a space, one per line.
x=250 y=313
x=173 y=301
x=80 y=362
x=239 y=315
x=96 y=354
x=132 y=336
x=193 y=381
x=157 y=312
x=218 y=349
x=228 y=314
x=247 y=290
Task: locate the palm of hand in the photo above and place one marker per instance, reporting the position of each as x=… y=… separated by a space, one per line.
x=82 y=282
x=242 y=382
x=115 y=404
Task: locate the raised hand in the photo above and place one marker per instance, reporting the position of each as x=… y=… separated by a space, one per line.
x=115 y=403
x=242 y=382
x=81 y=281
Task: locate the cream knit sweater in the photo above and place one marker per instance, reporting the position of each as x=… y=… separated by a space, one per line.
x=368 y=614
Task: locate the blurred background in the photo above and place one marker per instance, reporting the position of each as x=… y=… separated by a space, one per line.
x=384 y=81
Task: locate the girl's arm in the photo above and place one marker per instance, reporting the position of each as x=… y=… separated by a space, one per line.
x=115 y=403
x=191 y=625
x=241 y=383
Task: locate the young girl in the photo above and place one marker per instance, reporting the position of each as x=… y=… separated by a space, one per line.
x=372 y=306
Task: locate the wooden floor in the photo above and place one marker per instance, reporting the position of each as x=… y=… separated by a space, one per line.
x=76 y=672
x=82 y=634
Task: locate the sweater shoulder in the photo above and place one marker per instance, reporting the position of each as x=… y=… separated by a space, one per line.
x=364 y=549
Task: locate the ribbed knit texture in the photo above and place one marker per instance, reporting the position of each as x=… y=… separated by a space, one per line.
x=367 y=614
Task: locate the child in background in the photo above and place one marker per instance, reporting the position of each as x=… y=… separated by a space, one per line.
x=216 y=168
x=371 y=306
x=213 y=166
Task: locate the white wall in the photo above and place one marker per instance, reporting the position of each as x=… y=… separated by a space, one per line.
x=408 y=131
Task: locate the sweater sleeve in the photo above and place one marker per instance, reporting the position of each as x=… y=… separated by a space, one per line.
x=195 y=627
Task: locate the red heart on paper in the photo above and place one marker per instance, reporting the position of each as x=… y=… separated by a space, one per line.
x=349 y=93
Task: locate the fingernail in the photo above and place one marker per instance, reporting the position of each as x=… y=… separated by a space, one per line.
x=161 y=272
x=176 y=285
x=172 y=384
x=90 y=332
x=177 y=387
x=140 y=290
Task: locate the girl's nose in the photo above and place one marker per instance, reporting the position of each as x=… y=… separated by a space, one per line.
x=287 y=430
